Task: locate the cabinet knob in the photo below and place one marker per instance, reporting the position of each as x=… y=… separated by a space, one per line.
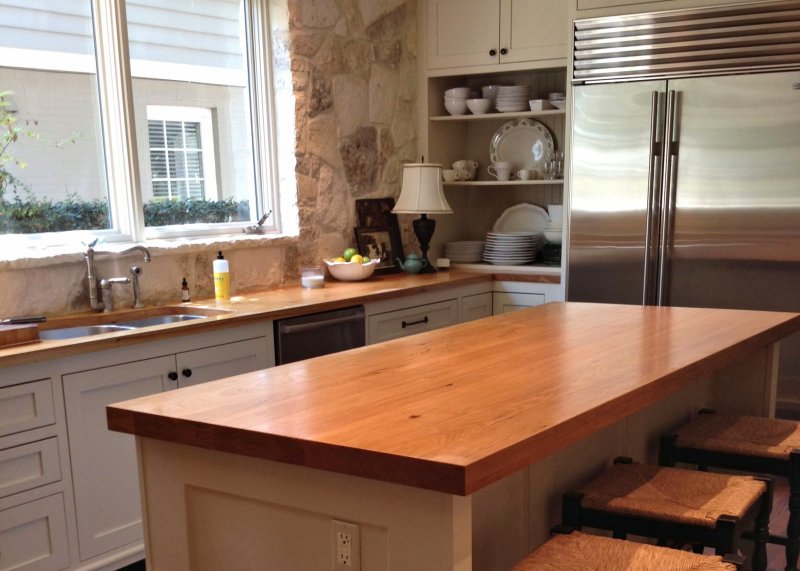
x=186 y=372
x=492 y=53
x=172 y=376
x=503 y=51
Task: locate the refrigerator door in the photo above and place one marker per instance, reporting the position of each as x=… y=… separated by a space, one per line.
x=735 y=237
x=616 y=147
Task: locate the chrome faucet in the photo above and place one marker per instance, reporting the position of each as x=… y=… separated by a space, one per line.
x=96 y=303
x=105 y=288
x=136 y=271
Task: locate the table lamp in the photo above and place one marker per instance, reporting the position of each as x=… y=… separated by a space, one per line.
x=422 y=193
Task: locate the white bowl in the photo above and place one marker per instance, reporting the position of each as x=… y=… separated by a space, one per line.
x=461 y=92
x=540 y=104
x=351 y=271
x=490 y=91
x=455 y=106
x=558 y=103
x=479 y=106
x=553 y=236
x=556 y=95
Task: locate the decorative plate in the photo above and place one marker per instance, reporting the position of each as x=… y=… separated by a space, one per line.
x=526 y=143
x=523 y=218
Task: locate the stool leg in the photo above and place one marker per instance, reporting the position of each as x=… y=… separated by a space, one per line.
x=761 y=532
x=793 y=529
x=666 y=450
x=619 y=535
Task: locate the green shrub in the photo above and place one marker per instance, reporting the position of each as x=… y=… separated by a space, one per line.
x=24 y=213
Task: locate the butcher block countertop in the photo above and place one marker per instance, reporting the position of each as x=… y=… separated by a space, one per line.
x=277 y=303
x=456 y=409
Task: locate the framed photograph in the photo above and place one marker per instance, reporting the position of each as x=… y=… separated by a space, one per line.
x=376 y=213
x=382 y=244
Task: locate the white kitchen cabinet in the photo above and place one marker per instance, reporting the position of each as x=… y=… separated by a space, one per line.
x=26 y=406
x=476 y=306
x=465 y=33
x=506 y=302
x=33 y=536
x=512 y=296
x=104 y=471
x=29 y=466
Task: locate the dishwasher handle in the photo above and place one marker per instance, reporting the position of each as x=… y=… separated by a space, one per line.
x=288 y=329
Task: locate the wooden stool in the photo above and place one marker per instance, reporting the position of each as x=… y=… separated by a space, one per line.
x=670 y=504
x=749 y=444
x=580 y=551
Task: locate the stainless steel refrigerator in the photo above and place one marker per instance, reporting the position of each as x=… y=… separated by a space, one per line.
x=685 y=191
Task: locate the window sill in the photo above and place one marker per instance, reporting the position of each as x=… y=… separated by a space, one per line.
x=29 y=258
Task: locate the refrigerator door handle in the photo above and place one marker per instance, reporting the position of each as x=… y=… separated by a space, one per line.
x=651 y=228
x=668 y=197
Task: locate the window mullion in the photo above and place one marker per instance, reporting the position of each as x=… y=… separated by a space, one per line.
x=262 y=115
x=116 y=108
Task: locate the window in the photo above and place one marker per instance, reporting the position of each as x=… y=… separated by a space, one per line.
x=158 y=140
x=182 y=163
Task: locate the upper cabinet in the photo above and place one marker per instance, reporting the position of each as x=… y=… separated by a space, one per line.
x=469 y=33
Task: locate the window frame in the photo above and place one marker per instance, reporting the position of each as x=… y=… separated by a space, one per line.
x=119 y=136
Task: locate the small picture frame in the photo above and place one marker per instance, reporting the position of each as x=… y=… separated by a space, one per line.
x=376 y=213
x=382 y=243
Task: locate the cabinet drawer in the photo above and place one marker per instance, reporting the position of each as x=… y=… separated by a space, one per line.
x=476 y=306
x=33 y=536
x=29 y=466
x=404 y=322
x=27 y=406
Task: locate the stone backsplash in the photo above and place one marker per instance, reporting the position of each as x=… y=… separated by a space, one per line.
x=353 y=68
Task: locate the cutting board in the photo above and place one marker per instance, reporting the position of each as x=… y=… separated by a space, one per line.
x=11 y=335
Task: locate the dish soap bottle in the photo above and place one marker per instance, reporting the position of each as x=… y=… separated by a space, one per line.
x=185 y=290
x=222 y=278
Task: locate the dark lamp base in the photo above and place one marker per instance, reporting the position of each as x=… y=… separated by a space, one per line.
x=423 y=228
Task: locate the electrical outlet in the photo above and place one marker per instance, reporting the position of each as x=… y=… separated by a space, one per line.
x=346 y=546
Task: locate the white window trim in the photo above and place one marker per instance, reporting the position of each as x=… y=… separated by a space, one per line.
x=208 y=142
x=119 y=134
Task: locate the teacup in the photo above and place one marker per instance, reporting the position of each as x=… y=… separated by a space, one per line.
x=500 y=170
x=524 y=174
x=451 y=175
x=468 y=166
x=466 y=175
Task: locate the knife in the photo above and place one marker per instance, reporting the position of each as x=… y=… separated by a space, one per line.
x=21 y=320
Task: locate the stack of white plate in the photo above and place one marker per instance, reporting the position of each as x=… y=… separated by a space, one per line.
x=466 y=252
x=512 y=98
x=511 y=248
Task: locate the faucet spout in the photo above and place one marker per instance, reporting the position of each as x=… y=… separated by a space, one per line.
x=137 y=248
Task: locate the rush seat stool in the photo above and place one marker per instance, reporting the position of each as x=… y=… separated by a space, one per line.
x=752 y=444
x=580 y=551
x=674 y=505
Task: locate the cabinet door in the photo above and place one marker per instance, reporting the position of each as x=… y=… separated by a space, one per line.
x=463 y=33
x=476 y=306
x=33 y=536
x=504 y=302
x=104 y=468
x=533 y=30
x=212 y=363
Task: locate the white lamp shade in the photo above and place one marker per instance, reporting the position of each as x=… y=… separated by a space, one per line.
x=422 y=191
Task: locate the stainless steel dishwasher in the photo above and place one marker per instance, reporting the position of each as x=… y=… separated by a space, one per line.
x=299 y=338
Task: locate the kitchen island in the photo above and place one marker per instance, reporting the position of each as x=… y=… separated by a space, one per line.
x=448 y=449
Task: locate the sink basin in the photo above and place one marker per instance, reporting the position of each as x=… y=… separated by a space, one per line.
x=161 y=320
x=86 y=330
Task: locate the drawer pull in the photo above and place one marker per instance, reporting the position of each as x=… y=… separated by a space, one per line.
x=410 y=323
x=492 y=53
x=172 y=376
x=503 y=51
x=186 y=372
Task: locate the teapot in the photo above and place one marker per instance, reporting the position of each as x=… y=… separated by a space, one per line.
x=413 y=264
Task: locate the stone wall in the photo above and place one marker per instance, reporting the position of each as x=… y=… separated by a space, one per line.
x=354 y=66
x=353 y=71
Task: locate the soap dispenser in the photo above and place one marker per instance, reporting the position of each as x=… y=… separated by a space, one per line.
x=222 y=278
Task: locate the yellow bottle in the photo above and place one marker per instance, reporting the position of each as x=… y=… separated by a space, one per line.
x=222 y=278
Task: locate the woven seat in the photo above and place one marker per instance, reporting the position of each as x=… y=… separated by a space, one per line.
x=746 y=443
x=580 y=552
x=671 y=504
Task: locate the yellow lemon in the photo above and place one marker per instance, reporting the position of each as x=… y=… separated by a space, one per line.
x=357 y=258
x=339 y=259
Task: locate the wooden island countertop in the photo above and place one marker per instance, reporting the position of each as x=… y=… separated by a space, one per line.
x=457 y=409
